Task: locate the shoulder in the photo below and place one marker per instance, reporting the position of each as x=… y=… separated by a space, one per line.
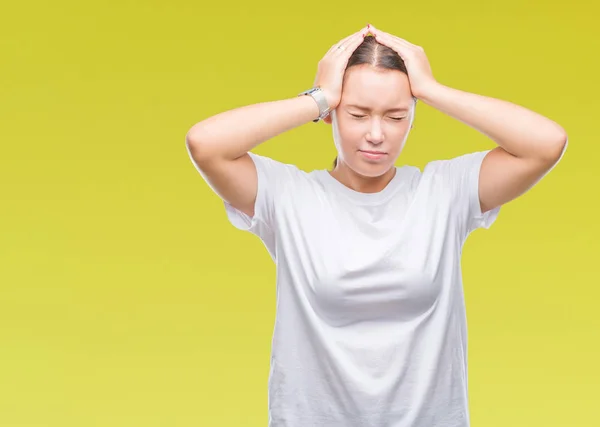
x=281 y=177
x=454 y=164
x=271 y=165
x=275 y=172
x=456 y=181
x=455 y=171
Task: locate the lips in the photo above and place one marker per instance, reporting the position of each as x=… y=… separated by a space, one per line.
x=373 y=155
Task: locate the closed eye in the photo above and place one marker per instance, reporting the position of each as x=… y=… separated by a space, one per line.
x=393 y=118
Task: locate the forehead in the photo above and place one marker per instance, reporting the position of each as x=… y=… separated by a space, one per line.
x=376 y=88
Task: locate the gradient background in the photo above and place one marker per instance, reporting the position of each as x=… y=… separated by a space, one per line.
x=127 y=299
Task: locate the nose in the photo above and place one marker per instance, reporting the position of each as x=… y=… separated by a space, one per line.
x=375 y=135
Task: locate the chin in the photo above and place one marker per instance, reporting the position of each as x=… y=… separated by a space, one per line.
x=371 y=170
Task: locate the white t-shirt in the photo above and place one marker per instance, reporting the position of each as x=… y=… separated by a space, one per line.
x=370 y=325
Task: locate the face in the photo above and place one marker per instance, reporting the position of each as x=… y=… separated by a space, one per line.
x=372 y=121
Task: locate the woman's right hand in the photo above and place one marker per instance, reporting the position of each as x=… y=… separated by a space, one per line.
x=331 y=68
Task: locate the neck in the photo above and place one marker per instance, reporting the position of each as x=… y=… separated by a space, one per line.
x=361 y=183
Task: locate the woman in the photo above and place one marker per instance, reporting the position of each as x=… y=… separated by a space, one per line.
x=371 y=327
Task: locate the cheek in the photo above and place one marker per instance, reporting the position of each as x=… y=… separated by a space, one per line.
x=350 y=139
x=347 y=132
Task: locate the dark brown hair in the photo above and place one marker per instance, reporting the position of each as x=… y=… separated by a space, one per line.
x=371 y=52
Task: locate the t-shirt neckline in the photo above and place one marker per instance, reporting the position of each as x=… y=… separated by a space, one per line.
x=360 y=197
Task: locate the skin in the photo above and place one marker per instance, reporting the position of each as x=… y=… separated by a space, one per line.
x=376 y=127
x=529 y=144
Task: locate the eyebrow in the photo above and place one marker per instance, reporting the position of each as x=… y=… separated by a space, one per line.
x=397 y=109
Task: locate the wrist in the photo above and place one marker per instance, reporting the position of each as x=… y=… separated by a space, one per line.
x=320 y=99
x=429 y=93
x=312 y=108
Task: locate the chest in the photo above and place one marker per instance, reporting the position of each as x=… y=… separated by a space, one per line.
x=365 y=262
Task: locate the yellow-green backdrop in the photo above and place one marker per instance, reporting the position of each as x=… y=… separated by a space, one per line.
x=127 y=299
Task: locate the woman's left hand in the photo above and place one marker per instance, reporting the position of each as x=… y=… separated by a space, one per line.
x=419 y=71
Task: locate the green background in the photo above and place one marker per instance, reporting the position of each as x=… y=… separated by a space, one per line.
x=127 y=299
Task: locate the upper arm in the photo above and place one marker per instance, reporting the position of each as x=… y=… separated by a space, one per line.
x=504 y=177
x=234 y=181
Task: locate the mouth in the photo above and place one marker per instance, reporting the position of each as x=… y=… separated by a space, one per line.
x=373 y=155
x=372 y=152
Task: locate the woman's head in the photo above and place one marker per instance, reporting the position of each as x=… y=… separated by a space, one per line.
x=376 y=109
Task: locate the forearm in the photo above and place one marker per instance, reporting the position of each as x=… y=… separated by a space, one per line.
x=233 y=133
x=520 y=131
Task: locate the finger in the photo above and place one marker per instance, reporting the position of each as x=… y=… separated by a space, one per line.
x=383 y=34
x=401 y=40
x=395 y=43
x=350 y=45
x=402 y=49
x=343 y=42
x=336 y=45
x=376 y=31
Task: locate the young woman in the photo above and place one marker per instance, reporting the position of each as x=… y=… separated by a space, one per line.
x=370 y=327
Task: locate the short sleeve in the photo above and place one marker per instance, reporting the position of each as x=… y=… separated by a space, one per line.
x=460 y=180
x=273 y=178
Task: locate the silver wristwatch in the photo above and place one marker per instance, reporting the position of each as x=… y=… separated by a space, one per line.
x=319 y=97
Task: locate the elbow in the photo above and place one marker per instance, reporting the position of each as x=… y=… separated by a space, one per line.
x=561 y=143
x=556 y=148
x=193 y=137
x=197 y=146
x=561 y=138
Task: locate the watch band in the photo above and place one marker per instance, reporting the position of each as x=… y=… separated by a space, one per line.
x=317 y=94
